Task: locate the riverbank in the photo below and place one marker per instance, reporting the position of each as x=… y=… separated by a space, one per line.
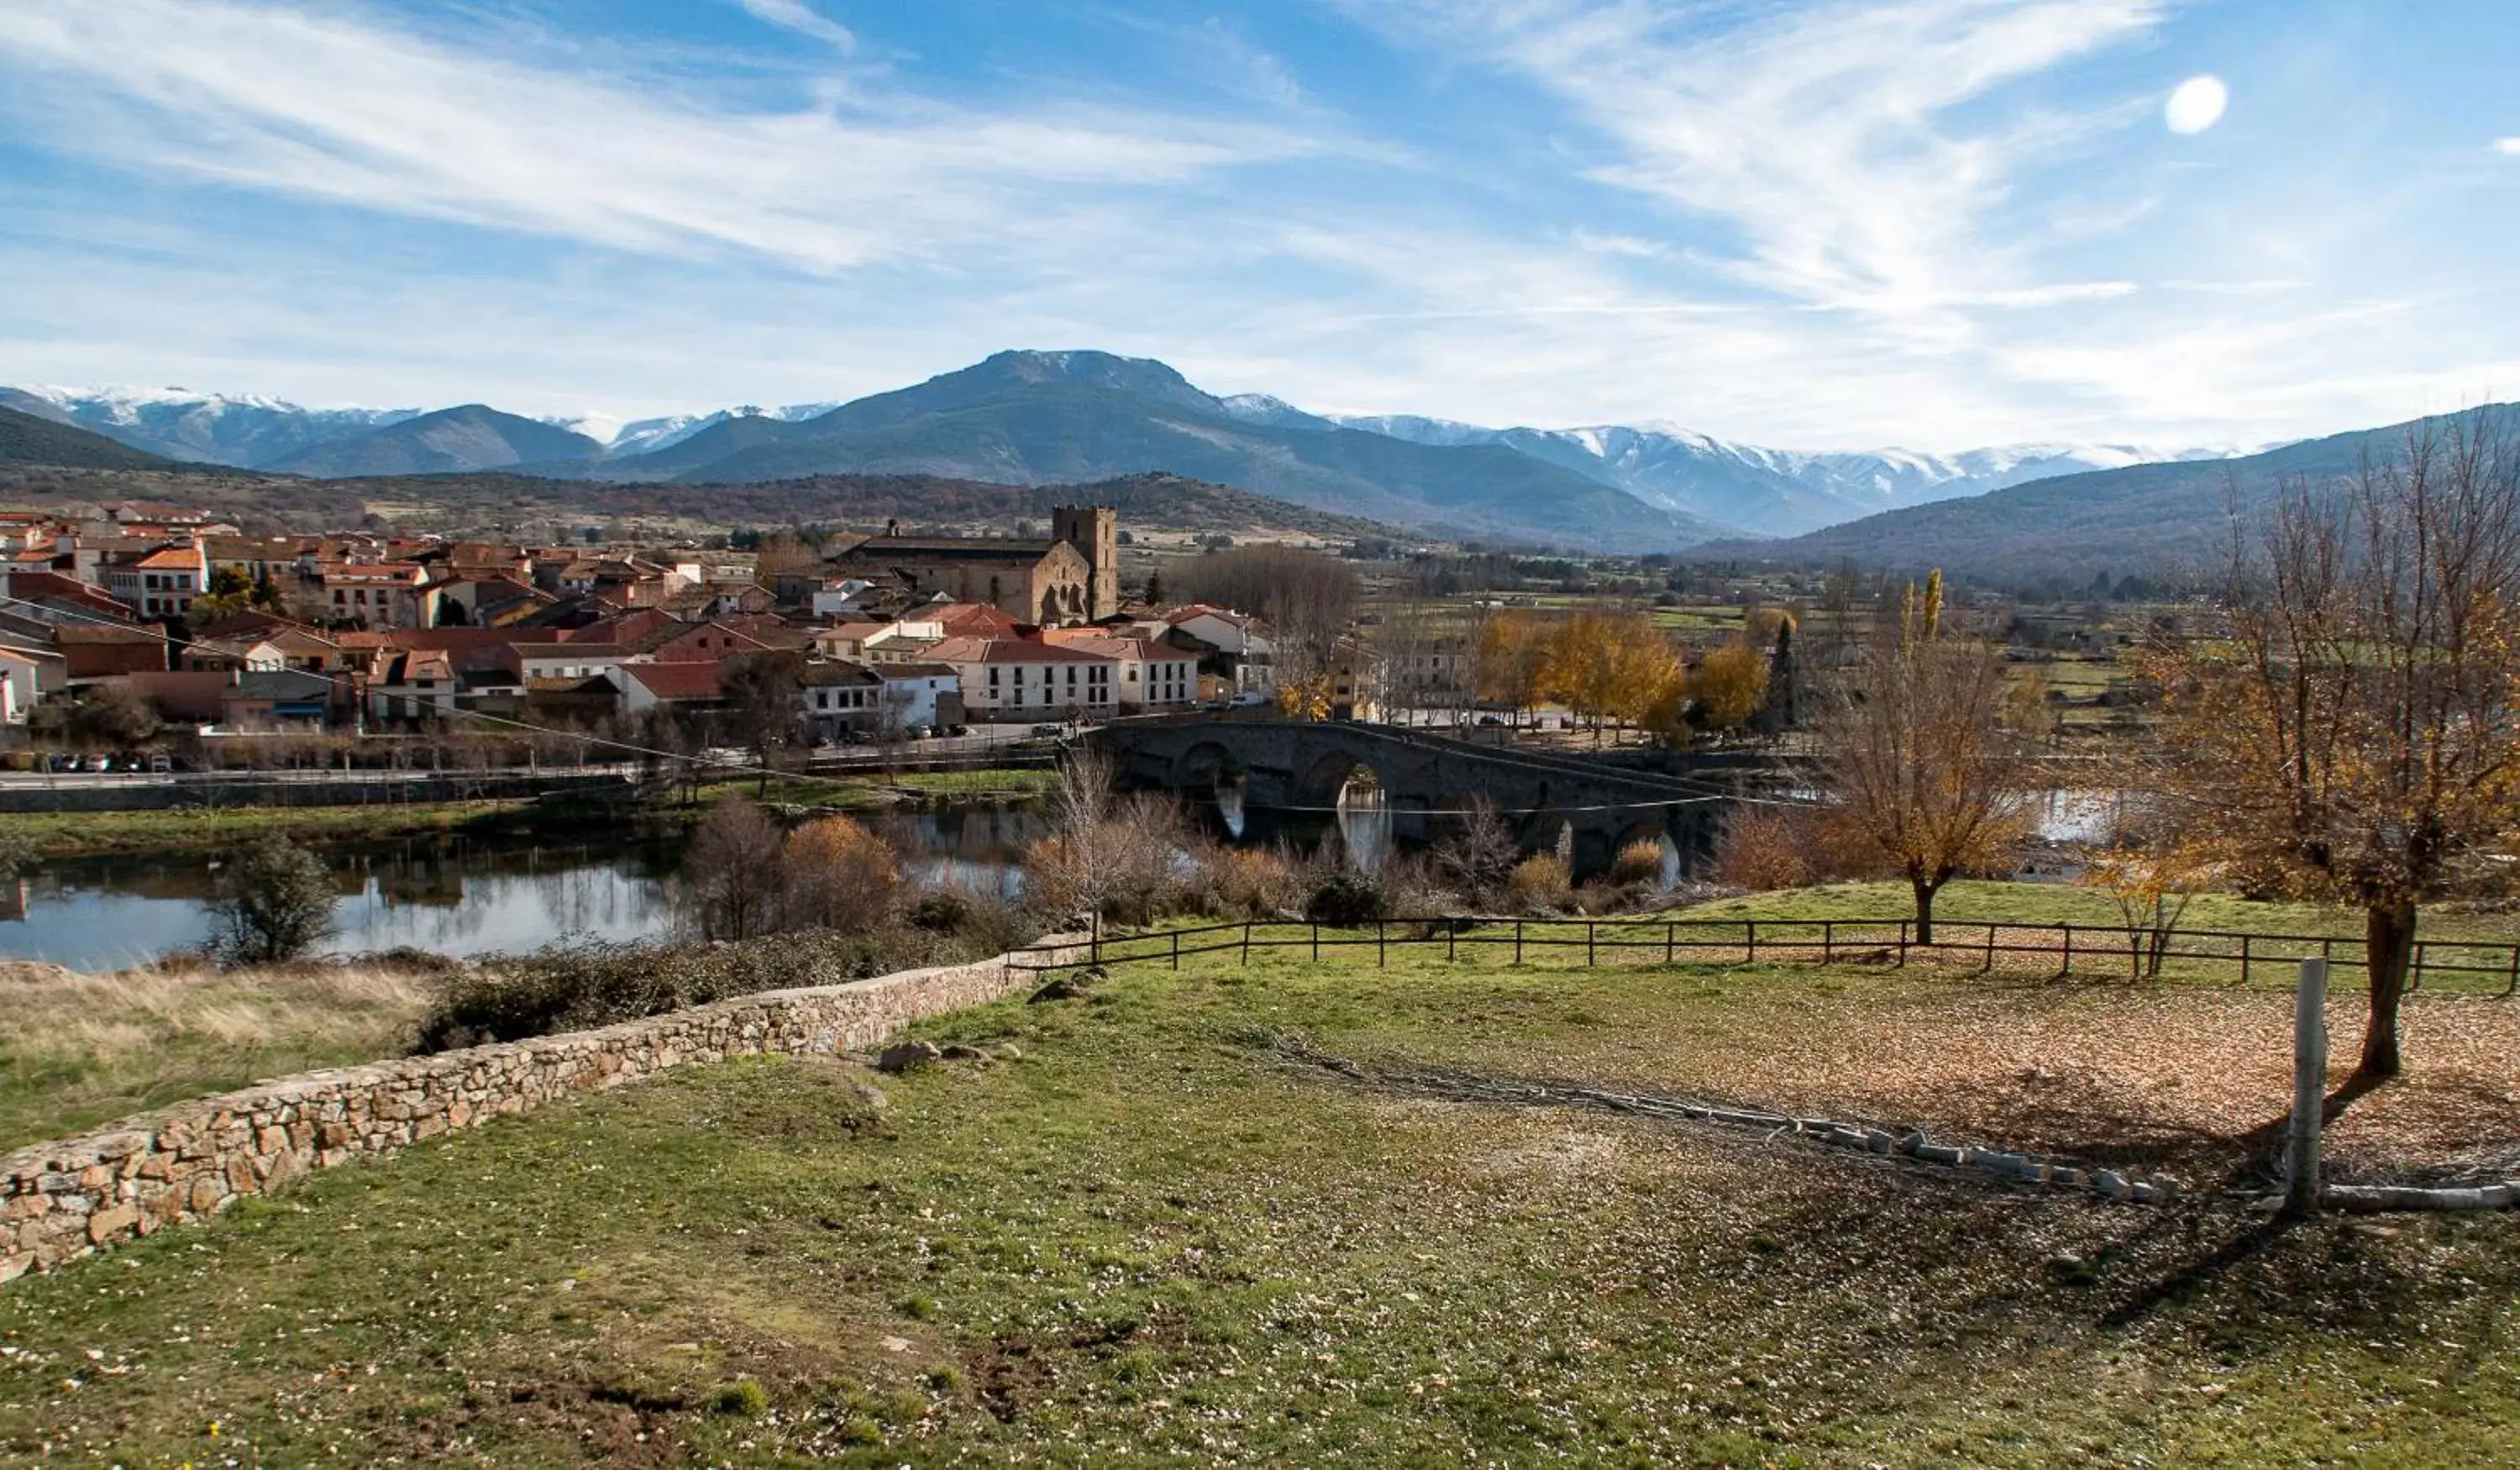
x=84 y=834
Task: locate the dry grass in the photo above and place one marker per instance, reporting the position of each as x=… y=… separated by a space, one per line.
x=80 y=1050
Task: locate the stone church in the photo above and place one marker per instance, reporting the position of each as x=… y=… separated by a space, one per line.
x=1071 y=578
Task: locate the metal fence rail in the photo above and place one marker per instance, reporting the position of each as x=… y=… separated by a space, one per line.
x=2046 y=949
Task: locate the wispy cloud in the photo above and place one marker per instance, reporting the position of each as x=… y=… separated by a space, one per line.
x=332 y=105
x=1826 y=136
x=2506 y=145
x=804 y=19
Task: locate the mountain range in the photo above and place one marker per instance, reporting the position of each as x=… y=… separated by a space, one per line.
x=1029 y=417
x=2157 y=520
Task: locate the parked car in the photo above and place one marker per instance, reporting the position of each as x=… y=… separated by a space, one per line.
x=1052 y=731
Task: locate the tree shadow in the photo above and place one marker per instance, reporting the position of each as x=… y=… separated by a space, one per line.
x=2191 y=1277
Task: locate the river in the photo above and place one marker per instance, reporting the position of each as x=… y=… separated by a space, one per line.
x=459 y=895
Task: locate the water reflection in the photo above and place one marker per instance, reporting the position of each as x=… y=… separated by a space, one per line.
x=464 y=896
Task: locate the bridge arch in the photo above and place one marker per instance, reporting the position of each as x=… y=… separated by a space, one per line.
x=1206 y=767
x=1656 y=831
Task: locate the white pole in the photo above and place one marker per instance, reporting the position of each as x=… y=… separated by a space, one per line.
x=2308 y=1087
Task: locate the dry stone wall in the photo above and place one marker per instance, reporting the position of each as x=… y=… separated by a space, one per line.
x=63 y=1200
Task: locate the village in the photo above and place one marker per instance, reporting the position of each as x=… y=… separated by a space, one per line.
x=155 y=617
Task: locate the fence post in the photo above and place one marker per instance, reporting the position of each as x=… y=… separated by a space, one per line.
x=2416 y=982
x=1903 y=944
x=1378 y=944
x=1177 y=949
x=1989 y=949
x=2245 y=962
x=2512 y=983
x=2308 y=1087
x=1827 y=941
x=1247 y=941
x=1588 y=944
x=1750 y=935
x=2069 y=949
x=1095 y=925
x=1518 y=941
x=1451 y=929
x=1316 y=941
x=1671 y=946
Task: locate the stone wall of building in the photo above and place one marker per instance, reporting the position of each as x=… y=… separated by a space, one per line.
x=63 y=1200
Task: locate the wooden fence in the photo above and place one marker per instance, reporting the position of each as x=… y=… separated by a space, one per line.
x=2044 y=949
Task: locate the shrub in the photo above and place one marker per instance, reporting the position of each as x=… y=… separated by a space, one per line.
x=1249 y=883
x=1765 y=848
x=1542 y=881
x=941 y=911
x=273 y=902
x=1638 y=863
x=836 y=875
x=1347 y=899
x=577 y=986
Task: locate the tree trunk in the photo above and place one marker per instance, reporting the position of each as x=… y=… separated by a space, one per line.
x=2388 y=943
x=1924 y=909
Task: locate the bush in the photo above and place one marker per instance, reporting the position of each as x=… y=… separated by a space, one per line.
x=1346 y=900
x=1638 y=863
x=1764 y=849
x=579 y=985
x=273 y=902
x=836 y=875
x=1248 y=882
x=1542 y=881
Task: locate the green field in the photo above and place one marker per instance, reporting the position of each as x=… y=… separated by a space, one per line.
x=1155 y=1237
x=69 y=834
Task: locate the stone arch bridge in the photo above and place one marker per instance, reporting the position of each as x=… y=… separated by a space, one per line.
x=1290 y=773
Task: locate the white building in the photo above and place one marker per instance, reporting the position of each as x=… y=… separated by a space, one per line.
x=1029 y=679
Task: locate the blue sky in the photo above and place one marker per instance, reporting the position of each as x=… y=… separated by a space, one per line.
x=1933 y=223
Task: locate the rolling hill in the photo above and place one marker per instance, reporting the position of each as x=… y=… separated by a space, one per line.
x=25 y=439
x=455 y=440
x=2151 y=520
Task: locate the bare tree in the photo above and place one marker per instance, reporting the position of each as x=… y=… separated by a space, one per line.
x=1107 y=854
x=1924 y=779
x=1307 y=598
x=730 y=871
x=2355 y=731
x=1479 y=856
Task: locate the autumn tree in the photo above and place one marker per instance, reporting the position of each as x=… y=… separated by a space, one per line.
x=834 y=874
x=765 y=710
x=1924 y=779
x=1613 y=666
x=1732 y=684
x=2354 y=732
x=1507 y=659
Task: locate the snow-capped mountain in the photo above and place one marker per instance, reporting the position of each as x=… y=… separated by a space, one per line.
x=1776 y=491
x=1770 y=492
x=623 y=437
x=215 y=428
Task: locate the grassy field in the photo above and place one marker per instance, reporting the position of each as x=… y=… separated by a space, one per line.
x=81 y=1050
x=1152 y=1237
x=71 y=834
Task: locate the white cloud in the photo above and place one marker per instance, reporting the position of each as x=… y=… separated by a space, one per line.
x=804 y=19
x=1823 y=135
x=319 y=104
x=2506 y=145
x=2195 y=105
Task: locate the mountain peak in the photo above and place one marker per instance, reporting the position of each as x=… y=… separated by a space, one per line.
x=1143 y=375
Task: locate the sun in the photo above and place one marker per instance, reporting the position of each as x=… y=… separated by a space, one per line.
x=2196 y=104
